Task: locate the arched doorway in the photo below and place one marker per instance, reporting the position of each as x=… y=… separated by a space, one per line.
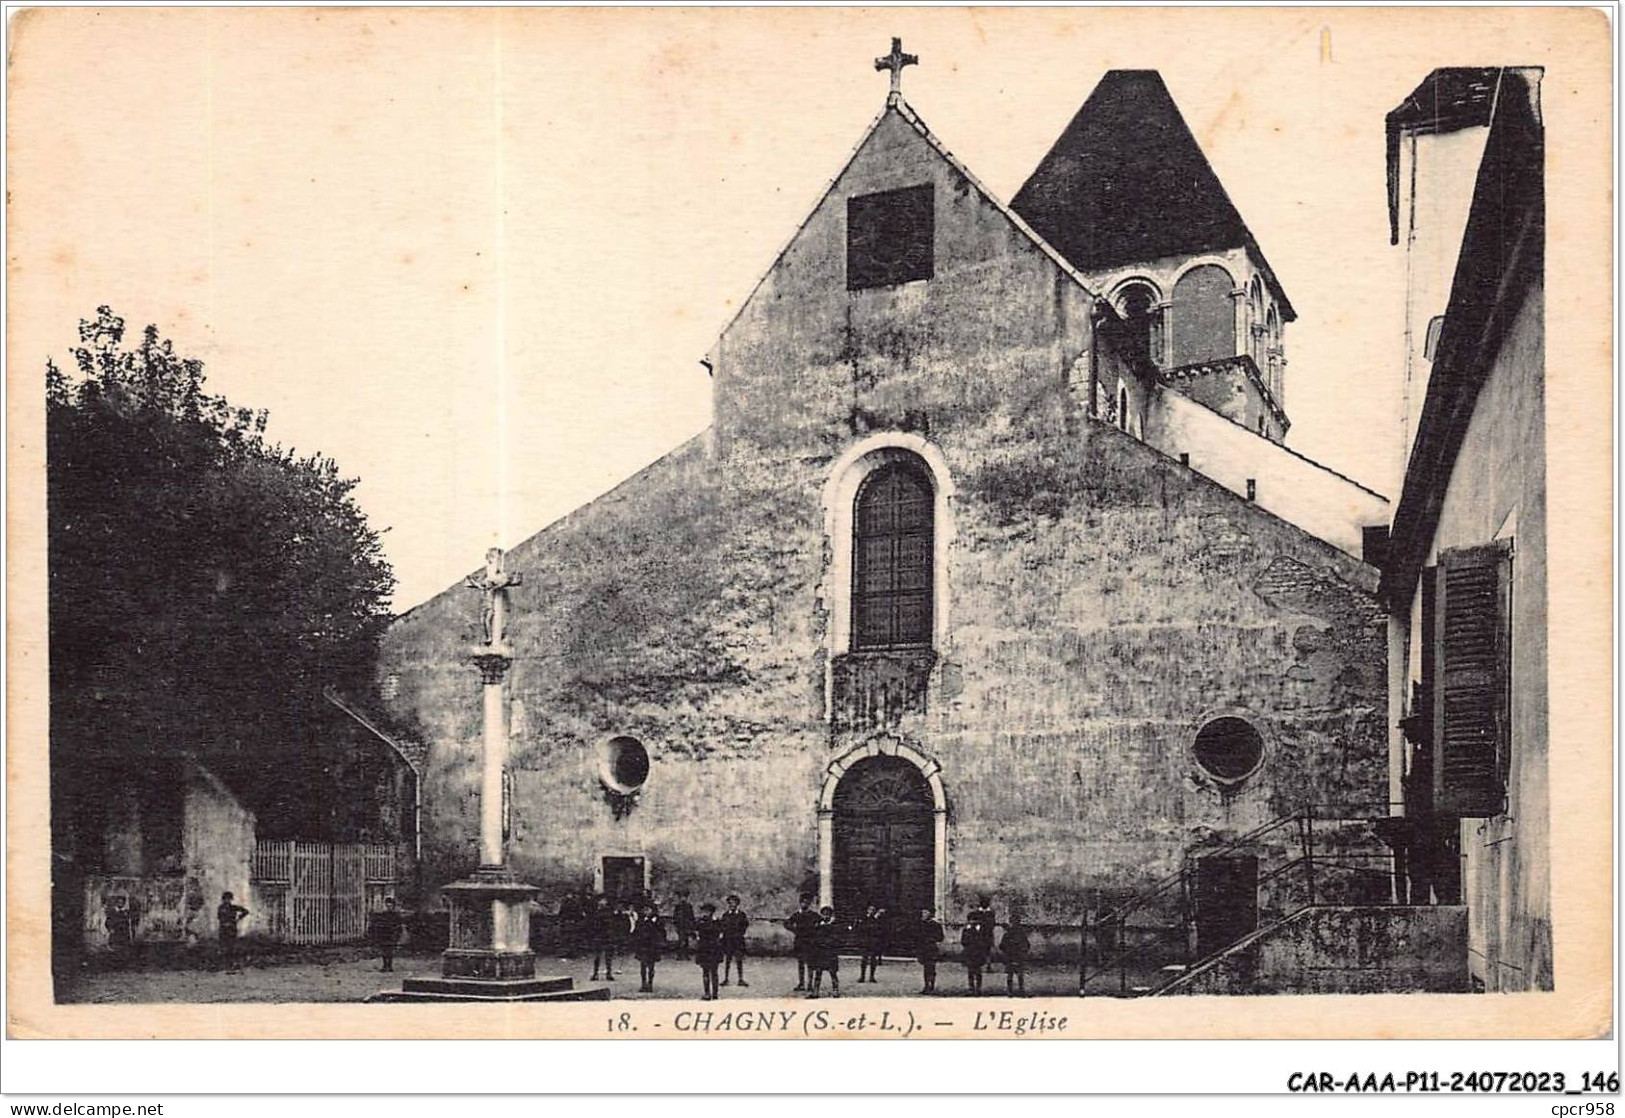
x=884 y=838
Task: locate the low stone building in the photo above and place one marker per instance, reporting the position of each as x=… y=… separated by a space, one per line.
x=310 y=841
x=990 y=576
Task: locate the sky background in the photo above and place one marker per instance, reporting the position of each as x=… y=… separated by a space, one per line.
x=476 y=256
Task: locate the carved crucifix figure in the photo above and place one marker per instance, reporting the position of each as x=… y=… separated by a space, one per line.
x=895 y=61
x=494 y=582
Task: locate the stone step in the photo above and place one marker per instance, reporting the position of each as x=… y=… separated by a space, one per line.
x=394 y=996
x=487 y=987
x=555 y=989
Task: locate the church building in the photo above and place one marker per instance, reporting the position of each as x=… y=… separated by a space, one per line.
x=992 y=575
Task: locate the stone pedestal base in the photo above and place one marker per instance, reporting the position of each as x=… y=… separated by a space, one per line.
x=466 y=963
x=489 y=958
x=490 y=926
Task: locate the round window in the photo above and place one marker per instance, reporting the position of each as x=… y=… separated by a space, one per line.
x=623 y=764
x=1229 y=749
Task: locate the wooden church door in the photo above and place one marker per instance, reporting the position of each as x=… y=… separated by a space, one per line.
x=884 y=839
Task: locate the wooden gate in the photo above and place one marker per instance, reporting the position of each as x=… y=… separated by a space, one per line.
x=310 y=893
x=325 y=891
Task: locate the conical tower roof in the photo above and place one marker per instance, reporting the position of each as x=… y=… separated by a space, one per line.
x=1127 y=183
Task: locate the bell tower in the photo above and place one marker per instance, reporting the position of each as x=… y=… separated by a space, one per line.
x=1128 y=197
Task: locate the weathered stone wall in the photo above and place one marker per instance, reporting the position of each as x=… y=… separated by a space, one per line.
x=219 y=843
x=1102 y=603
x=173 y=897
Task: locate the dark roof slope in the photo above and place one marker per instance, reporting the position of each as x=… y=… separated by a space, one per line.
x=1502 y=258
x=1127 y=182
x=1448 y=99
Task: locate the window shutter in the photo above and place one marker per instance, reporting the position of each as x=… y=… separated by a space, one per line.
x=1470 y=684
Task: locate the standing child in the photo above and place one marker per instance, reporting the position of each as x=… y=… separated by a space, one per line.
x=734 y=924
x=386 y=932
x=682 y=914
x=977 y=942
x=983 y=915
x=1014 y=949
x=826 y=953
x=120 y=919
x=927 y=947
x=869 y=933
x=605 y=934
x=648 y=937
x=708 y=950
x=229 y=916
x=801 y=923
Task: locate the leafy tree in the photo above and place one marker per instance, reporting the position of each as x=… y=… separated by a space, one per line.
x=204 y=582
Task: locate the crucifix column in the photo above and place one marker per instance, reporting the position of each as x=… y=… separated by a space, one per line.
x=493 y=659
x=489 y=956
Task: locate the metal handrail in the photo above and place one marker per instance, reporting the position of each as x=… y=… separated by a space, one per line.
x=1309 y=812
x=1304 y=821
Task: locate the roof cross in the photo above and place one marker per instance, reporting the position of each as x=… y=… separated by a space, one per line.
x=895 y=61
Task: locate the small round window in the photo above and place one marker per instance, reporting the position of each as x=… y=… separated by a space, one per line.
x=623 y=764
x=1229 y=749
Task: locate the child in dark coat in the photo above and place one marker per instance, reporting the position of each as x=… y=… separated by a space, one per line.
x=608 y=929
x=1014 y=949
x=801 y=923
x=682 y=915
x=983 y=915
x=976 y=941
x=871 y=930
x=734 y=923
x=826 y=953
x=648 y=937
x=229 y=916
x=708 y=949
x=927 y=948
x=120 y=919
x=386 y=932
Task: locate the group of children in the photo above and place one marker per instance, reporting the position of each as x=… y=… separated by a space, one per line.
x=818 y=939
x=718 y=944
x=976 y=942
x=718 y=941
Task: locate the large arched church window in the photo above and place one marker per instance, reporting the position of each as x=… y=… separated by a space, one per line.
x=892 y=558
x=1204 y=315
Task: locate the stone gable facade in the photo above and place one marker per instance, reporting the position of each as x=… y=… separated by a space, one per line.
x=1091 y=603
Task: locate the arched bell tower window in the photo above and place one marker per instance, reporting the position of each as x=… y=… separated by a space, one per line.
x=1257 y=335
x=1204 y=316
x=1272 y=334
x=892 y=553
x=1138 y=306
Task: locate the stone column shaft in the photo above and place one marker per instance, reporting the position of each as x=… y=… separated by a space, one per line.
x=496 y=749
